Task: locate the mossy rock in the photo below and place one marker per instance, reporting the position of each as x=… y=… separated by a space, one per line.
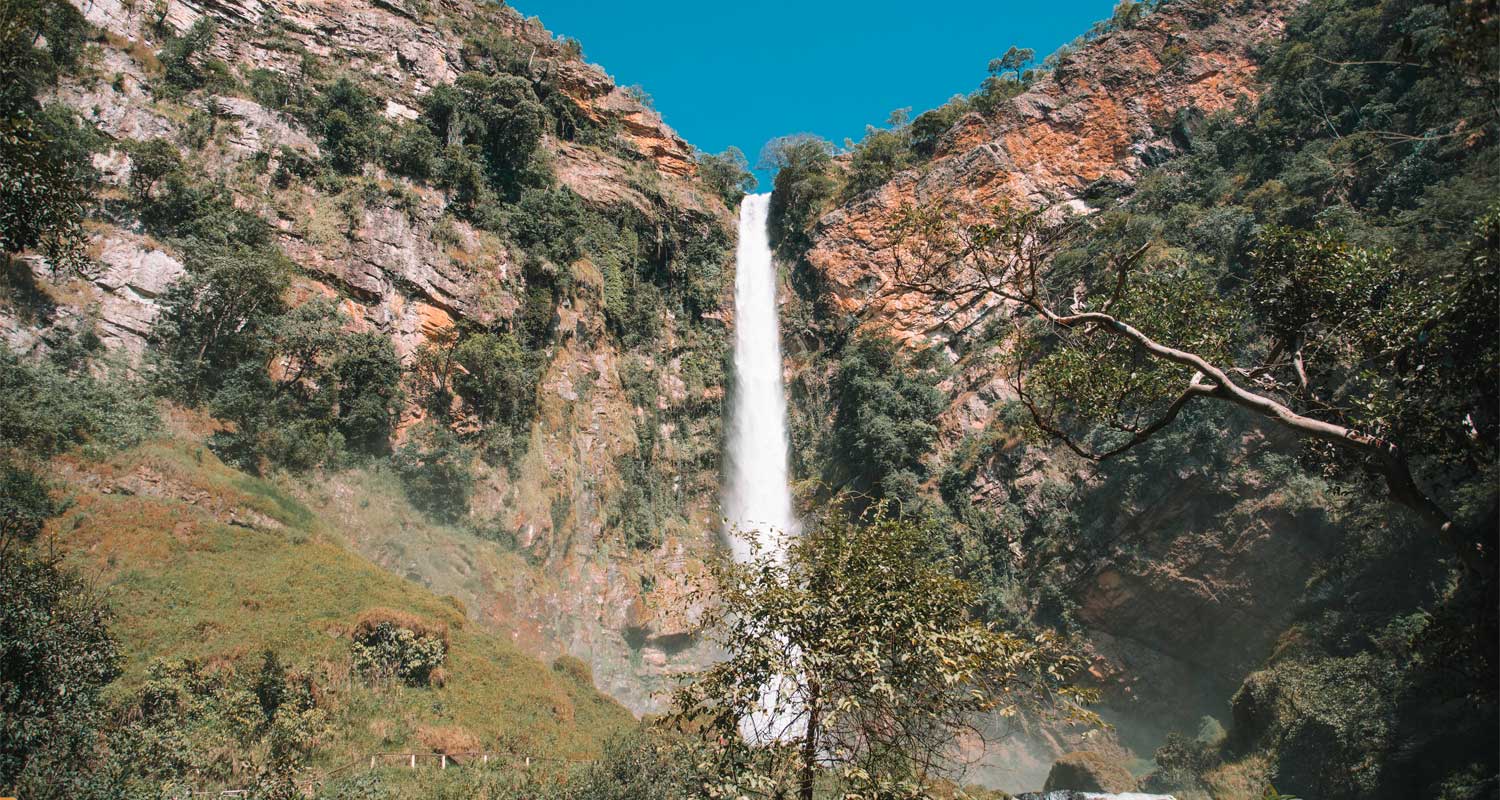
x=1088 y=771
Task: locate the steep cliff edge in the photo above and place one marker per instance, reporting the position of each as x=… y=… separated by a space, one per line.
x=1194 y=578
x=1104 y=113
x=623 y=434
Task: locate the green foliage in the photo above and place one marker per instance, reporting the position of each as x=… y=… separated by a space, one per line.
x=1008 y=77
x=803 y=186
x=214 y=319
x=498 y=380
x=928 y=128
x=877 y=158
x=185 y=713
x=186 y=65
x=285 y=414
x=346 y=116
x=436 y=473
x=368 y=374
x=650 y=763
x=548 y=222
x=25 y=505
x=386 y=650
x=888 y=405
x=195 y=210
x=56 y=656
x=48 y=406
x=726 y=175
x=500 y=117
x=864 y=646
x=45 y=173
x=150 y=161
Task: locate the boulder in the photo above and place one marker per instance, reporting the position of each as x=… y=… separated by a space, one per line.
x=1089 y=771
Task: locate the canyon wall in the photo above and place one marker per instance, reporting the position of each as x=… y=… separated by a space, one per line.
x=554 y=571
x=1197 y=577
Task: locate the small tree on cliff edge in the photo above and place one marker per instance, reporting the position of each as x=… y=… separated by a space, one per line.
x=854 y=662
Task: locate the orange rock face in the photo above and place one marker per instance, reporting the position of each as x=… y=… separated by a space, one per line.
x=1092 y=118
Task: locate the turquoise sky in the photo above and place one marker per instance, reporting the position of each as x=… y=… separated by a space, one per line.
x=743 y=73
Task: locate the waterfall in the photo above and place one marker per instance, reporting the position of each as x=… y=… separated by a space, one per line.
x=757 y=496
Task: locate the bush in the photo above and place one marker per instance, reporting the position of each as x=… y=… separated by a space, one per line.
x=56 y=656
x=549 y=223
x=877 y=159
x=436 y=473
x=25 y=505
x=886 y=420
x=389 y=644
x=501 y=118
x=370 y=399
x=346 y=116
x=214 y=319
x=928 y=128
x=46 y=407
x=497 y=379
x=186 y=65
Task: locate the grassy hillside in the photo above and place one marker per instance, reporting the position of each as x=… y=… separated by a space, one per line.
x=203 y=562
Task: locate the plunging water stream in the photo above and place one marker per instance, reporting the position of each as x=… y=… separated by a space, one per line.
x=757 y=496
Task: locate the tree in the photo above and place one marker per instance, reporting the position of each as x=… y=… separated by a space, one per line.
x=1113 y=361
x=886 y=420
x=727 y=175
x=44 y=170
x=855 y=659
x=801 y=187
x=212 y=319
x=1013 y=64
x=878 y=157
x=370 y=399
x=56 y=656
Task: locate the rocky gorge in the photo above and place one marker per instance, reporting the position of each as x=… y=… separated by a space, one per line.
x=423 y=326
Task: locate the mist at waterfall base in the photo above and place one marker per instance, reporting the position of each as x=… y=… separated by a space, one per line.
x=757 y=500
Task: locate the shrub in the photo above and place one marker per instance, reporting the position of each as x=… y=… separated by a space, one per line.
x=497 y=378
x=876 y=159
x=186 y=65
x=150 y=161
x=436 y=473
x=549 y=223
x=46 y=407
x=501 y=118
x=888 y=404
x=56 y=656
x=368 y=372
x=25 y=505
x=346 y=117
x=928 y=128
x=389 y=644
x=214 y=318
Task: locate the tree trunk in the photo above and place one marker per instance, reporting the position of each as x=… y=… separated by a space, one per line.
x=810 y=744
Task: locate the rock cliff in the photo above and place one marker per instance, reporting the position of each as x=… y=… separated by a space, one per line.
x=1187 y=595
x=390 y=252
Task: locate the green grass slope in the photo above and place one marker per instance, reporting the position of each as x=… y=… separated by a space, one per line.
x=203 y=562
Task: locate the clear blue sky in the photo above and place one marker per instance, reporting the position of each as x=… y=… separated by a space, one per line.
x=742 y=73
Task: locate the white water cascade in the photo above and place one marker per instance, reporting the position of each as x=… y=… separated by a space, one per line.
x=757 y=496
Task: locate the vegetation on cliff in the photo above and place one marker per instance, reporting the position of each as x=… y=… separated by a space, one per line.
x=1321 y=259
